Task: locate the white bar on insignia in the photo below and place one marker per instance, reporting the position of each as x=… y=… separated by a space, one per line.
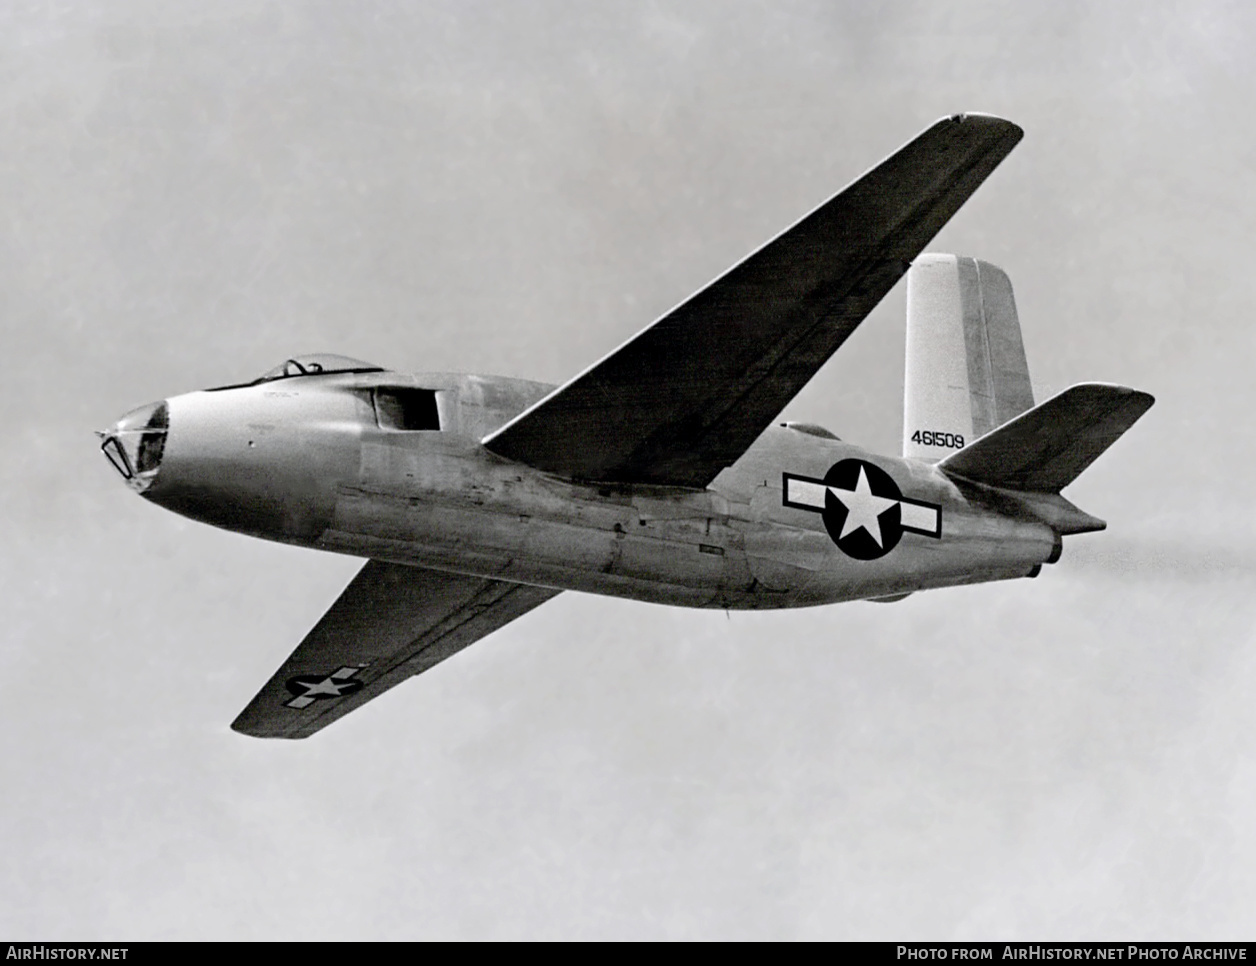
x=805 y=492
x=345 y=672
x=915 y=517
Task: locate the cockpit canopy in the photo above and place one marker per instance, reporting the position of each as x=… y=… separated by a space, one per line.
x=311 y=364
x=317 y=363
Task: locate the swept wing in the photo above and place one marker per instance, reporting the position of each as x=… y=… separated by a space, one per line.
x=688 y=395
x=390 y=623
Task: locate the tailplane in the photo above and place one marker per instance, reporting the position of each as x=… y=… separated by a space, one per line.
x=1046 y=448
x=966 y=372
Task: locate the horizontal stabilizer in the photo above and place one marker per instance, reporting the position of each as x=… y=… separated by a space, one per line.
x=1047 y=447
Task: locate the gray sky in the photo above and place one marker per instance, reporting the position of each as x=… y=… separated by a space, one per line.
x=191 y=193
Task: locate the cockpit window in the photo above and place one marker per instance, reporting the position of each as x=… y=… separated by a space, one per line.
x=314 y=364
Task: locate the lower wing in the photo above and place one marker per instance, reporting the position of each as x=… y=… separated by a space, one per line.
x=390 y=623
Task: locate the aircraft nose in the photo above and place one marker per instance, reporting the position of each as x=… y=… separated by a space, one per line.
x=134 y=444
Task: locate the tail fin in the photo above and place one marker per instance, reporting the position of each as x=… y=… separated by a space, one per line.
x=1046 y=448
x=966 y=370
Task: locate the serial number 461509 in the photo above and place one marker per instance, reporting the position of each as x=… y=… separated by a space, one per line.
x=930 y=437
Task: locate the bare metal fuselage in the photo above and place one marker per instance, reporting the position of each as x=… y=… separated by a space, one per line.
x=306 y=461
x=651 y=475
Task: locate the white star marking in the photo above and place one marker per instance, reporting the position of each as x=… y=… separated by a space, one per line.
x=862 y=508
x=326 y=686
x=334 y=686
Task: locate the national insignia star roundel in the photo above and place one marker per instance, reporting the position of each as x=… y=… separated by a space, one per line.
x=863 y=509
x=309 y=688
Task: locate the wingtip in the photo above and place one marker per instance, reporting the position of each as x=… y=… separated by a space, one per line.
x=241 y=727
x=250 y=729
x=993 y=121
x=1144 y=399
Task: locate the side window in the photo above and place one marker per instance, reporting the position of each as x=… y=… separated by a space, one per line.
x=406 y=409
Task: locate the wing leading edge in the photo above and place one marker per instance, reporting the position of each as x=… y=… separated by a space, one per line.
x=391 y=623
x=687 y=396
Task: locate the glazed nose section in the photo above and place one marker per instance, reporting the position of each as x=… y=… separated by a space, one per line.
x=134 y=444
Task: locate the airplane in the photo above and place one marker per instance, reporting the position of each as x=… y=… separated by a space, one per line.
x=661 y=473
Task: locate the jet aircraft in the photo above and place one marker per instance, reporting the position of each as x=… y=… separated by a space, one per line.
x=660 y=473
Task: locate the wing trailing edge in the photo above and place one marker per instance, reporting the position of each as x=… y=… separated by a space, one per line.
x=687 y=396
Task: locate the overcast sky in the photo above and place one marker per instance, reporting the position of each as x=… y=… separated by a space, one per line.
x=190 y=193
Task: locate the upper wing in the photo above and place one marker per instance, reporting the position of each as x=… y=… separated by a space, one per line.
x=687 y=396
x=390 y=623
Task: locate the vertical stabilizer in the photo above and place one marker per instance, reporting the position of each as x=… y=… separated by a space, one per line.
x=966 y=372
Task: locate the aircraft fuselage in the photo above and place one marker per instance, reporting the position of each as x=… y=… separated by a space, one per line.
x=333 y=462
x=660 y=473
